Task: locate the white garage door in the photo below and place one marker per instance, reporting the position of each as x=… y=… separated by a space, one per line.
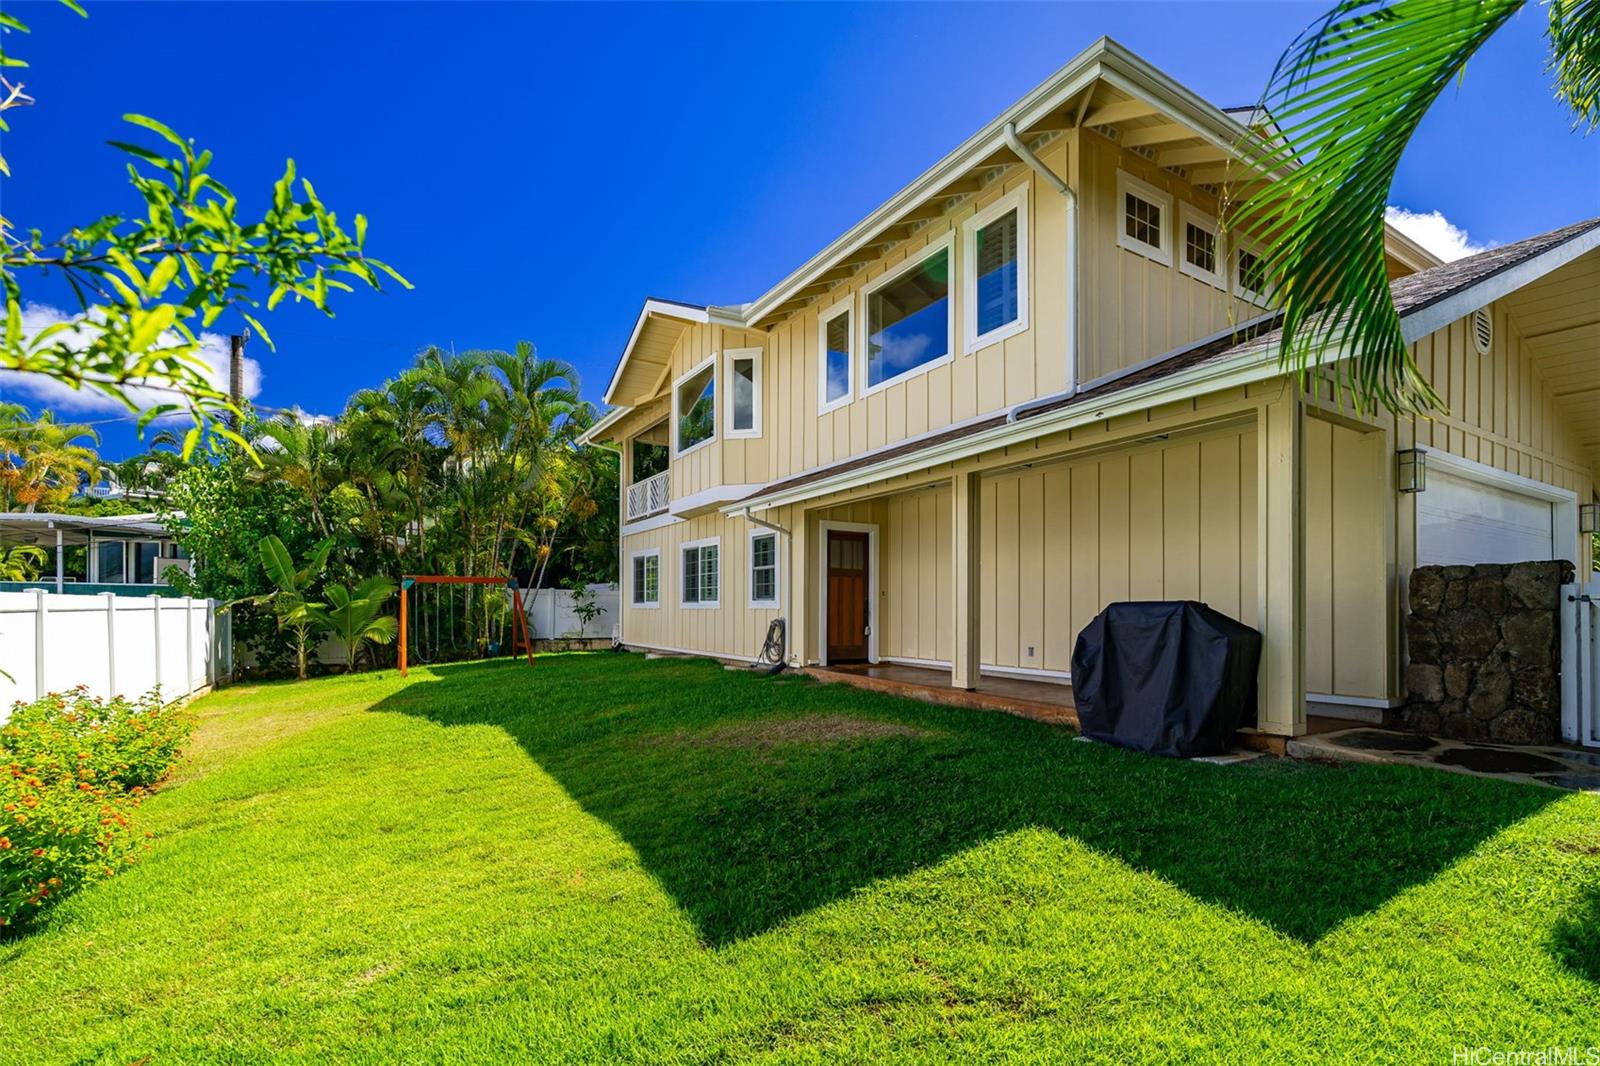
x=1460 y=521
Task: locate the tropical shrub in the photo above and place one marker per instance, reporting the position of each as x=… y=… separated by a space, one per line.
x=353 y=617
x=73 y=769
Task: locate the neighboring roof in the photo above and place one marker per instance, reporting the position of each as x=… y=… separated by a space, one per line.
x=1459 y=288
x=31 y=527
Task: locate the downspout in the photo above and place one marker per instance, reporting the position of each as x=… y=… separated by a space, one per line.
x=1037 y=165
x=624 y=580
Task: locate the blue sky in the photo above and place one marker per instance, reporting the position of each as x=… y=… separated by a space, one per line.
x=537 y=170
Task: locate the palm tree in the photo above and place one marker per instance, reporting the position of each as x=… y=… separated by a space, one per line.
x=303 y=454
x=353 y=616
x=43 y=463
x=1343 y=102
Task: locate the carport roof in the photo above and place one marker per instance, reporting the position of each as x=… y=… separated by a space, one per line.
x=31 y=527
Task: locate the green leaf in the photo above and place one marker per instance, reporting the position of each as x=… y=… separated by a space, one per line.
x=161 y=129
x=277 y=562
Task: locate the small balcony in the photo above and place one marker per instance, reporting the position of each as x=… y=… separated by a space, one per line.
x=650 y=496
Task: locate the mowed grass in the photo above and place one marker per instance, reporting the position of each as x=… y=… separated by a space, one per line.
x=609 y=859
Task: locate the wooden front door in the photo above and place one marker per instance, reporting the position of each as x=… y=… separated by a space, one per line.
x=849 y=613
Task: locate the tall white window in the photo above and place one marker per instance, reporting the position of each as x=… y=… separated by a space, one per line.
x=744 y=392
x=1144 y=217
x=694 y=407
x=701 y=573
x=835 y=367
x=908 y=319
x=1200 y=251
x=995 y=258
x=763 y=568
x=647 y=579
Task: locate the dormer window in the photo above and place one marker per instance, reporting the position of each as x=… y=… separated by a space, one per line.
x=1144 y=218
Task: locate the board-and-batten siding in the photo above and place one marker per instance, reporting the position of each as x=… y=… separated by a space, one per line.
x=1498 y=409
x=1346 y=593
x=1132 y=307
x=732 y=628
x=1059 y=542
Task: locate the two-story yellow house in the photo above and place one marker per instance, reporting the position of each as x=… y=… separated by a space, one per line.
x=1040 y=379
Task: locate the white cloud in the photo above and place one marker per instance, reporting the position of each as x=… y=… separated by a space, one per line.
x=1434 y=232
x=44 y=391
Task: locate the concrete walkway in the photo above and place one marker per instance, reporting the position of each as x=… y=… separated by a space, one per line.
x=1555 y=766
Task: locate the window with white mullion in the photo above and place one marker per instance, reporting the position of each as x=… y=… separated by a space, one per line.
x=700 y=573
x=995 y=271
x=647 y=579
x=763 y=569
x=1200 y=254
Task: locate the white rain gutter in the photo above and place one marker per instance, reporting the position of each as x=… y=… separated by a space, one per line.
x=1054 y=180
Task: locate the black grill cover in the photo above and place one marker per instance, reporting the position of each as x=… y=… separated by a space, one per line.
x=1165 y=678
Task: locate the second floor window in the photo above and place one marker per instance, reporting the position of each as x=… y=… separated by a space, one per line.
x=700 y=574
x=744 y=392
x=908 y=319
x=1251 y=280
x=1201 y=253
x=995 y=271
x=694 y=404
x=1144 y=215
x=835 y=357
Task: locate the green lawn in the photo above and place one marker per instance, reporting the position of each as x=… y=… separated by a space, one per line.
x=608 y=858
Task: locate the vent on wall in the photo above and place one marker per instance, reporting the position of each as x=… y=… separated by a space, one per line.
x=1482 y=330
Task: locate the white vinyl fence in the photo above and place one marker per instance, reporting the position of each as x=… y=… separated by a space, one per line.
x=551 y=613
x=116 y=645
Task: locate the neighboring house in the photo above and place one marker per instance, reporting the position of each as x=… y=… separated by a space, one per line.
x=125 y=554
x=999 y=403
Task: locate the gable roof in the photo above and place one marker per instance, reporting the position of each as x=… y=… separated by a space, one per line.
x=1425 y=301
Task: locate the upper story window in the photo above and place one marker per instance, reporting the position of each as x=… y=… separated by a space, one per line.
x=1201 y=254
x=694 y=407
x=763 y=568
x=833 y=357
x=646 y=579
x=744 y=392
x=908 y=318
x=700 y=579
x=1250 y=275
x=1144 y=216
x=995 y=257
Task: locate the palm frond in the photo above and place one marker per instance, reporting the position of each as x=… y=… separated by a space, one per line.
x=1345 y=99
x=1575 y=58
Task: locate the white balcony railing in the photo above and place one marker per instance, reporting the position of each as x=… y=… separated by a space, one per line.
x=649 y=496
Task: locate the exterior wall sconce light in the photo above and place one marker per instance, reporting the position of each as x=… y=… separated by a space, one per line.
x=1589 y=518
x=1413 y=469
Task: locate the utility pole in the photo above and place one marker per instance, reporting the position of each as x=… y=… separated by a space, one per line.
x=236 y=374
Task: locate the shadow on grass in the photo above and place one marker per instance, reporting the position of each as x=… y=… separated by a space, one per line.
x=756 y=799
x=1576 y=942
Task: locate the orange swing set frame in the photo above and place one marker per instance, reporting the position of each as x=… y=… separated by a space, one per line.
x=520 y=639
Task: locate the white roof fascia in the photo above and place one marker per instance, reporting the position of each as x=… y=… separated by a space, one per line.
x=1256 y=363
x=652 y=306
x=1415 y=325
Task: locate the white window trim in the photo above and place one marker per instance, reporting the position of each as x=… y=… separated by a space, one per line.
x=1016 y=200
x=644 y=605
x=947 y=244
x=843 y=307
x=1189 y=215
x=777 y=570
x=716 y=414
x=754 y=355
x=683 y=586
x=1260 y=299
x=1127 y=183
